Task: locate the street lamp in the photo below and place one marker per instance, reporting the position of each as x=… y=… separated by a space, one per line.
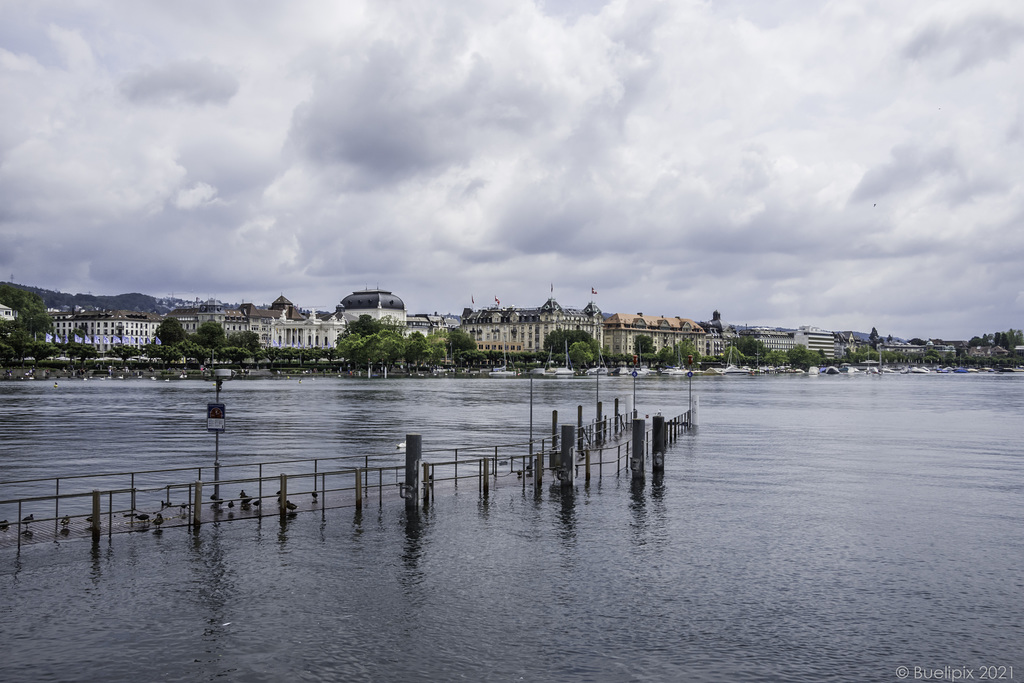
x=215 y=424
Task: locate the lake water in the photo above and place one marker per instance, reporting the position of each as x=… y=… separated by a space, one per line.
x=828 y=528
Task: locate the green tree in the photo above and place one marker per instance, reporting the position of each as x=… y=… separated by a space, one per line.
x=460 y=342
x=581 y=354
x=750 y=347
x=364 y=327
x=643 y=344
x=776 y=358
x=235 y=354
x=32 y=316
x=210 y=335
x=250 y=341
x=801 y=357
x=170 y=332
x=558 y=341
x=417 y=349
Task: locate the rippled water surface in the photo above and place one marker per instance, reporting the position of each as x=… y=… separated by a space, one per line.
x=830 y=528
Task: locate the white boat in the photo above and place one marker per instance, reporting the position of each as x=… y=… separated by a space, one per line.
x=566 y=371
x=672 y=371
x=502 y=370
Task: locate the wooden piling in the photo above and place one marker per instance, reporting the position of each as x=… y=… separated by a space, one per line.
x=359 y=489
x=658 y=444
x=413 y=450
x=95 y=515
x=554 y=430
x=487 y=477
x=197 y=504
x=567 y=468
x=636 y=461
x=282 y=499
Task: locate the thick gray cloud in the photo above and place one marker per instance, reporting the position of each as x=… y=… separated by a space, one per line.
x=188 y=82
x=842 y=165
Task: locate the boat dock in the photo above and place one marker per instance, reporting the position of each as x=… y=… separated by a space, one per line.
x=99 y=505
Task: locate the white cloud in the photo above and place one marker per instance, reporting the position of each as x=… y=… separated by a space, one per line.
x=199 y=195
x=788 y=163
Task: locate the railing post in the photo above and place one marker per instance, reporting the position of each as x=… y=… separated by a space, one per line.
x=487 y=478
x=579 y=428
x=428 y=481
x=598 y=427
x=359 y=489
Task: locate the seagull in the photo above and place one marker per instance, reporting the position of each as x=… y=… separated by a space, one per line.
x=400 y=446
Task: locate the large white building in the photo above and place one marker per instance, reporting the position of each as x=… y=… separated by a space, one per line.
x=525 y=329
x=106 y=329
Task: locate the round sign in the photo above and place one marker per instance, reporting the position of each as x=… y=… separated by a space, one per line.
x=634 y=373
x=690 y=373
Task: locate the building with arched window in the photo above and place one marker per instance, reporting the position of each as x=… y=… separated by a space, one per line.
x=525 y=329
x=622 y=329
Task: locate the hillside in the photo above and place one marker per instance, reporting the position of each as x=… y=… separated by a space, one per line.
x=129 y=302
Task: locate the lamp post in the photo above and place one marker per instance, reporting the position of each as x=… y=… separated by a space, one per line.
x=215 y=424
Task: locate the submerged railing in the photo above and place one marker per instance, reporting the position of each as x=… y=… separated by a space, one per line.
x=120 y=502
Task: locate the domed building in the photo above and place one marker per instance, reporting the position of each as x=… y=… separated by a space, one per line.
x=376 y=303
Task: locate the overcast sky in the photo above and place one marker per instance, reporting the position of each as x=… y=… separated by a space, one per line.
x=847 y=165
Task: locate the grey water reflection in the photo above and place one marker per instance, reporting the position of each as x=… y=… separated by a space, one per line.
x=811 y=530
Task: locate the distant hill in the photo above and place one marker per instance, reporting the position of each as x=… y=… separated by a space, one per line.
x=129 y=302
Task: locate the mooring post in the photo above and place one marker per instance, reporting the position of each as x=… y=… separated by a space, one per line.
x=487 y=477
x=693 y=412
x=587 y=452
x=598 y=426
x=413 y=451
x=197 y=504
x=95 y=514
x=359 y=489
x=567 y=468
x=636 y=460
x=658 y=444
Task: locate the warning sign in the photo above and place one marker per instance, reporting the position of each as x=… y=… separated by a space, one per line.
x=215 y=417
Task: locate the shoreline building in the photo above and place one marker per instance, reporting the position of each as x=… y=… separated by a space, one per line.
x=622 y=329
x=816 y=339
x=291 y=328
x=106 y=330
x=376 y=303
x=524 y=329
